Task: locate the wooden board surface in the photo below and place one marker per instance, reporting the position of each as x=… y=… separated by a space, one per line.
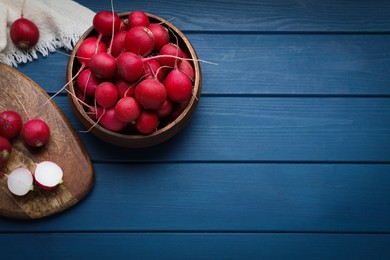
x=286 y=157
x=228 y=197
x=64 y=148
x=274 y=65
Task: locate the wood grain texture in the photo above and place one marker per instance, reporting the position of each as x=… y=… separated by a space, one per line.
x=261 y=129
x=64 y=148
x=273 y=64
x=287 y=155
x=223 y=197
x=200 y=246
x=260 y=16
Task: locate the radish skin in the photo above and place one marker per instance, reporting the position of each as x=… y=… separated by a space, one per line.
x=5 y=150
x=103 y=65
x=139 y=40
x=127 y=109
x=36 y=132
x=125 y=89
x=88 y=48
x=161 y=35
x=138 y=18
x=87 y=82
x=178 y=86
x=150 y=94
x=170 y=55
x=110 y=121
x=24 y=33
x=10 y=124
x=106 y=94
x=105 y=22
x=129 y=66
x=147 y=122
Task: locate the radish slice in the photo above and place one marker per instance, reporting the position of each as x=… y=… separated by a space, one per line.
x=48 y=174
x=20 y=181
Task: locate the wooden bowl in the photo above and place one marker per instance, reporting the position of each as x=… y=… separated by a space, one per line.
x=164 y=131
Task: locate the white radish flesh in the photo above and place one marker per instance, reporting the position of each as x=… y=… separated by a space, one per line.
x=48 y=174
x=20 y=181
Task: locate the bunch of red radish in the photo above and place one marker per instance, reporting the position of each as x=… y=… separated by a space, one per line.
x=132 y=75
x=24 y=33
x=35 y=133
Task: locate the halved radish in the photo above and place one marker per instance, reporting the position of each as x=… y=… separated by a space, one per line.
x=20 y=181
x=48 y=174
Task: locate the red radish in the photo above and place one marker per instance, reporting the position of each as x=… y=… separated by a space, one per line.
x=95 y=112
x=178 y=85
x=187 y=68
x=166 y=109
x=118 y=42
x=86 y=51
x=10 y=124
x=124 y=25
x=138 y=18
x=177 y=110
x=48 y=175
x=125 y=88
x=110 y=121
x=150 y=94
x=88 y=48
x=106 y=22
x=106 y=94
x=35 y=132
x=129 y=66
x=147 y=122
x=87 y=82
x=20 y=181
x=5 y=150
x=80 y=96
x=127 y=109
x=84 y=99
x=139 y=40
x=161 y=35
x=170 y=49
x=103 y=65
x=152 y=69
x=24 y=33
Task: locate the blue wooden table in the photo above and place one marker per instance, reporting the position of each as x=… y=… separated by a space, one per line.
x=287 y=156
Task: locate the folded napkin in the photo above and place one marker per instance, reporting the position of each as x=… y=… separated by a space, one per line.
x=60 y=24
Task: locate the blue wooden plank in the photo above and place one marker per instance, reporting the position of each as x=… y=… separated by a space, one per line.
x=266 y=129
x=195 y=246
x=303 y=64
x=269 y=15
x=189 y=197
x=272 y=64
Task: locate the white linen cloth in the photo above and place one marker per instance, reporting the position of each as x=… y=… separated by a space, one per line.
x=60 y=24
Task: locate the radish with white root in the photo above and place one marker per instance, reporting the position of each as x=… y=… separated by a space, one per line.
x=48 y=175
x=20 y=181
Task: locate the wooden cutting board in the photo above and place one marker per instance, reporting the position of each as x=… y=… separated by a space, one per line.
x=64 y=148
